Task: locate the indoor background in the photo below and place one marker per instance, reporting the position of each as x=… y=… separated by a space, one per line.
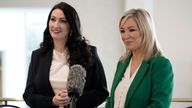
x=22 y=23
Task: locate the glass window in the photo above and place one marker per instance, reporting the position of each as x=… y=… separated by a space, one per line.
x=21 y=32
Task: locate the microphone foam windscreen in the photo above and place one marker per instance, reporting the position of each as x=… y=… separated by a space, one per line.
x=76 y=79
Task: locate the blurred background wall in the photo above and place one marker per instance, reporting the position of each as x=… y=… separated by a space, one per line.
x=22 y=23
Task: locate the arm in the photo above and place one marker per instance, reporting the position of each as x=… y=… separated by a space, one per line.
x=31 y=96
x=95 y=91
x=162 y=84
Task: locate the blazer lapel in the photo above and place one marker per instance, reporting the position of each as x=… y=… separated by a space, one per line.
x=45 y=65
x=138 y=78
x=121 y=67
x=120 y=72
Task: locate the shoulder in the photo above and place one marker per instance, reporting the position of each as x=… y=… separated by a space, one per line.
x=94 y=53
x=160 y=63
x=39 y=52
x=159 y=59
x=92 y=48
x=35 y=55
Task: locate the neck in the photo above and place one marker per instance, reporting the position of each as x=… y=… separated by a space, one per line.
x=137 y=55
x=137 y=58
x=59 y=46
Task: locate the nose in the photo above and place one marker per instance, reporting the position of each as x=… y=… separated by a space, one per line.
x=56 y=24
x=125 y=34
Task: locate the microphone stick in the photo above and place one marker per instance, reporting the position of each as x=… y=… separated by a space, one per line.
x=75 y=83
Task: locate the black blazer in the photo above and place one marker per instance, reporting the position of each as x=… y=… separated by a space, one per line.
x=39 y=93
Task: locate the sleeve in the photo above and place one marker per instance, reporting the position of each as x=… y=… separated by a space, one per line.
x=31 y=96
x=162 y=84
x=97 y=92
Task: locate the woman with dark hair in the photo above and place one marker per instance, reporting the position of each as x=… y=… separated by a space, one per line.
x=63 y=46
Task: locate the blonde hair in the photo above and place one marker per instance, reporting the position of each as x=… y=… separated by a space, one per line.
x=146 y=27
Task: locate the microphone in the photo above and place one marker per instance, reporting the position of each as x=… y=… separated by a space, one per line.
x=75 y=83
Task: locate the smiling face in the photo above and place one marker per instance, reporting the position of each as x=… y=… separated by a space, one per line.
x=58 y=25
x=130 y=34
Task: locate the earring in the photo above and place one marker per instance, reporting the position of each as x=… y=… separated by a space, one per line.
x=70 y=34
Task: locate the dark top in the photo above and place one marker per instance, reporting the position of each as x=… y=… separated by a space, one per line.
x=39 y=93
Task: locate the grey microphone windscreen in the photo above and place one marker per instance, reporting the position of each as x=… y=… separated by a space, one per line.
x=76 y=80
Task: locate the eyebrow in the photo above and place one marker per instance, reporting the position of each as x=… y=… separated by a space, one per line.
x=128 y=27
x=60 y=17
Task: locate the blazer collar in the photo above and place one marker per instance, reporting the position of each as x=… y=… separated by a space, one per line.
x=121 y=67
x=45 y=64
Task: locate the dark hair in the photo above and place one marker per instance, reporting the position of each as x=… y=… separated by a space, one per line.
x=79 y=51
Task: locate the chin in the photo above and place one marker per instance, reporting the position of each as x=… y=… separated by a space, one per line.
x=55 y=35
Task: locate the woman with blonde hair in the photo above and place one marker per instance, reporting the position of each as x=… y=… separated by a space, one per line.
x=144 y=76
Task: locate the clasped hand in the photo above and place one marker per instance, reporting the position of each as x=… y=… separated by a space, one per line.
x=61 y=98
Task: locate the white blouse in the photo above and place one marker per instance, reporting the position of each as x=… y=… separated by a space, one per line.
x=59 y=71
x=123 y=87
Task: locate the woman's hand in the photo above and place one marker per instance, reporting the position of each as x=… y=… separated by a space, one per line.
x=61 y=98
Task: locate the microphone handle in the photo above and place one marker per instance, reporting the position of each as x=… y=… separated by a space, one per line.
x=72 y=103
